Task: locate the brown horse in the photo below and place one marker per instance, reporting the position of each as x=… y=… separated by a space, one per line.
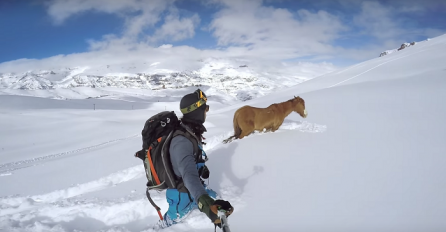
x=248 y=119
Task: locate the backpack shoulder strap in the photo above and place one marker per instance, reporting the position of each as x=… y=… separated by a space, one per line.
x=180 y=184
x=191 y=138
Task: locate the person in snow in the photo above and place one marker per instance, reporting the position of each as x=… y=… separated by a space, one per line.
x=198 y=195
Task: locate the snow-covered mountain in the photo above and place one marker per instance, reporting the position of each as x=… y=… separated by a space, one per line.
x=369 y=157
x=240 y=79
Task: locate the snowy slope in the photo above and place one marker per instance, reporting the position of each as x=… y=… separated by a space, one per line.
x=369 y=157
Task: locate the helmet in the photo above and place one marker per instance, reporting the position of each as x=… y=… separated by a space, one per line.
x=193 y=106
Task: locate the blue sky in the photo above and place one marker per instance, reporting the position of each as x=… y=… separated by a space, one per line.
x=342 y=32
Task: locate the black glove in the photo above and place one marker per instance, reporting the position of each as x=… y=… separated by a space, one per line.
x=211 y=207
x=223 y=206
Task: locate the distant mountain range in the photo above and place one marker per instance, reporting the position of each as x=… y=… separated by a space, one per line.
x=238 y=79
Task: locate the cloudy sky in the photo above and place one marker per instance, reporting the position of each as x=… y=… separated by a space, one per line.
x=47 y=33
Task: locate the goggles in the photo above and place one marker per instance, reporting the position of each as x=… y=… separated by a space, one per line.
x=202 y=101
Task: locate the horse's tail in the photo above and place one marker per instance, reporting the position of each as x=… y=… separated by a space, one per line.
x=237 y=129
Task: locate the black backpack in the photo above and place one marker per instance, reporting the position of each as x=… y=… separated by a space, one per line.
x=156 y=136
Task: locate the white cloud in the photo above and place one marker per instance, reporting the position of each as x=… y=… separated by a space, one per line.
x=138 y=14
x=116 y=53
x=250 y=29
x=274 y=32
x=166 y=46
x=176 y=28
x=376 y=20
x=150 y=14
x=243 y=29
x=60 y=10
x=381 y=22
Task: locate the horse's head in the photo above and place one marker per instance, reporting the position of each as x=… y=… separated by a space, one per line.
x=298 y=105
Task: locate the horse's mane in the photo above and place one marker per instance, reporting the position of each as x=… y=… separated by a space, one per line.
x=283 y=105
x=298 y=99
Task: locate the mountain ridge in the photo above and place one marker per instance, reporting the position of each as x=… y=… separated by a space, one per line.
x=238 y=79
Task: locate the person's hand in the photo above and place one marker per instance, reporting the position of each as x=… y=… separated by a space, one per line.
x=211 y=207
x=224 y=206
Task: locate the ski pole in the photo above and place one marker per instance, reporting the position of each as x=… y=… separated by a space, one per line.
x=224 y=221
x=158 y=209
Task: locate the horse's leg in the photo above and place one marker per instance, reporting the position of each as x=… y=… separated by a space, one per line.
x=276 y=126
x=243 y=134
x=248 y=129
x=273 y=127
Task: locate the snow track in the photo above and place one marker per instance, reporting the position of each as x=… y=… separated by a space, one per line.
x=425 y=48
x=368 y=70
x=19 y=204
x=304 y=127
x=5 y=169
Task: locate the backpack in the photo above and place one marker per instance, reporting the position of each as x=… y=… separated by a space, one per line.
x=156 y=136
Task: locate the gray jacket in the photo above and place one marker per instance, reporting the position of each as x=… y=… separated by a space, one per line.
x=184 y=166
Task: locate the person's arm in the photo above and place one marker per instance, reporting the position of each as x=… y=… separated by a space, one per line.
x=183 y=163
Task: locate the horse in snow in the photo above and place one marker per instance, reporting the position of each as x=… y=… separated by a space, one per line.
x=248 y=119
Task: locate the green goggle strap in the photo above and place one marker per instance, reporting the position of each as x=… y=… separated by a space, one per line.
x=194 y=106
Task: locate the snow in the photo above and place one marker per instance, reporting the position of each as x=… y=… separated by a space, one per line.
x=369 y=156
x=227 y=76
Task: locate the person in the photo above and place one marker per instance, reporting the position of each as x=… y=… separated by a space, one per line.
x=192 y=171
